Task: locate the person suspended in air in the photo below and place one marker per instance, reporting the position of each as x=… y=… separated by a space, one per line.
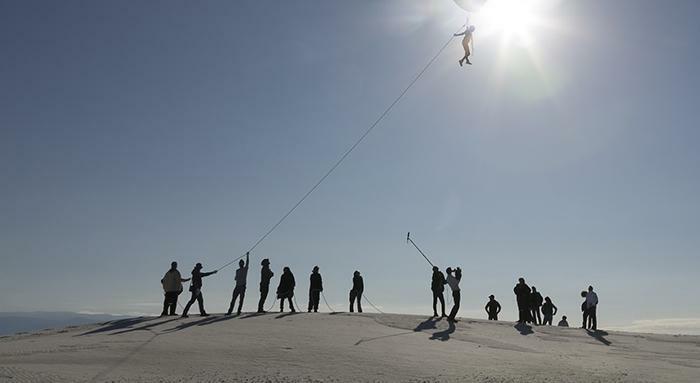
x=466 y=40
x=285 y=290
x=358 y=286
x=493 y=308
x=239 y=290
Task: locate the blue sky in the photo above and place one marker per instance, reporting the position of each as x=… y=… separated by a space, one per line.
x=137 y=133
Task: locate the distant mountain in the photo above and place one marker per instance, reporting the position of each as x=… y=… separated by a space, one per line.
x=14 y=322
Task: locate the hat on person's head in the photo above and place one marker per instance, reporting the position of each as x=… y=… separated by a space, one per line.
x=265 y=262
x=198 y=266
x=315 y=268
x=492 y=296
x=448 y=270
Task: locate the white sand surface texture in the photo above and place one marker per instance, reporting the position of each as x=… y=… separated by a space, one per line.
x=342 y=347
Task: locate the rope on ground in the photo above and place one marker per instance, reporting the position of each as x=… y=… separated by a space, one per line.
x=327 y=305
x=372 y=304
x=347 y=152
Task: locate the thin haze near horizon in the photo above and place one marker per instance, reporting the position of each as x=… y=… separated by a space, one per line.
x=134 y=134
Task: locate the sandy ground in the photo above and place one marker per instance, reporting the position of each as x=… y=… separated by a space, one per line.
x=342 y=347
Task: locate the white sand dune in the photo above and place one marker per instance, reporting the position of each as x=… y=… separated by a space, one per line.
x=342 y=347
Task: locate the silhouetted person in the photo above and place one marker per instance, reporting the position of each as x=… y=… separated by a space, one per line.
x=549 y=310
x=315 y=288
x=522 y=294
x=563 y=322
x=285 y=290
x=172 y=286
x=438 y=288
x=584 y=310
x=535 y=303
x=196 y=289
x=591 y=305
x=468 y=32
x=265 y=275
x=492 y=308
x=358 y=287
x=239 y=290
x=453 y=281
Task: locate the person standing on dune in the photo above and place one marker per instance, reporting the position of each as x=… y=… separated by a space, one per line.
x=453 y=281
x=239 y=290
x=492 y=308
x=358 y=287
x=315 y=288
x=438 y=287
x=196 y=289
x=522 y=294
x=591 y=305
x=285 y=290
x=265 y=275
x=549 y=310
x=535 y=304
x=172 y=286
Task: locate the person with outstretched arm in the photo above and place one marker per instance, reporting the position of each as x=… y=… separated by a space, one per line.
x=315 y=288
x=453 y=282
x=196 y=289
x=239 y=290
x=265 y=276
x=172 y=286
x=466 y=40
x=358 y=287
x=492 y=308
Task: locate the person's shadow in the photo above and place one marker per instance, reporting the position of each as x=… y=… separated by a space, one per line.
x=426 y=325
x=445 y=334
x=598 y=335
x=524 y=328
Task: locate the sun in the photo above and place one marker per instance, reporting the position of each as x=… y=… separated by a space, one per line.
x=516 y=21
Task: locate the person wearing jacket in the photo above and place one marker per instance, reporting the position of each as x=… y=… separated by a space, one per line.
x=172 y=286
x=239 y=290
x=535 y=304
x=285 y=290
x=453 y=282
x=549 y=310
x=522 y=294
x=438 y=288
x=591 y=306
x=358 y=287
x=584 y=310
x=265 y=276
x=492 y=308
x=315 y=288
x=196 y=289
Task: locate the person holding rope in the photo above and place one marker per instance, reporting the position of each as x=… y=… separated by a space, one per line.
x=358 y=286
x=196 y=289
x=172 y=286
x=265 y=275
x=239 y=290
x=285 y=290
x=315 y=288
x=468 y=39
x=453 y=281
x=438 y=288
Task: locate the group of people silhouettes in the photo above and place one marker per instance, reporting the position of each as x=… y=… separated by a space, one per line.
x=172 y=286
x=532 y=307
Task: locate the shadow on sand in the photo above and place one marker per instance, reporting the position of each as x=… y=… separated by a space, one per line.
x=524 y=328
x=444 y=335
x=286 y=314
x=365 y=340
x=118 y=325
x=199 y=322
x=598 y=335
x=253 y=315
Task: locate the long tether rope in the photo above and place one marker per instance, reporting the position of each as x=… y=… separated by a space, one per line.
x=348 y=151
x=372 y=304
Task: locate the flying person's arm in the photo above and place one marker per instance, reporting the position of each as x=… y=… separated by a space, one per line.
x=460 y=34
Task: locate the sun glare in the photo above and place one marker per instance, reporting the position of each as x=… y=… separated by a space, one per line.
x=516 y=21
